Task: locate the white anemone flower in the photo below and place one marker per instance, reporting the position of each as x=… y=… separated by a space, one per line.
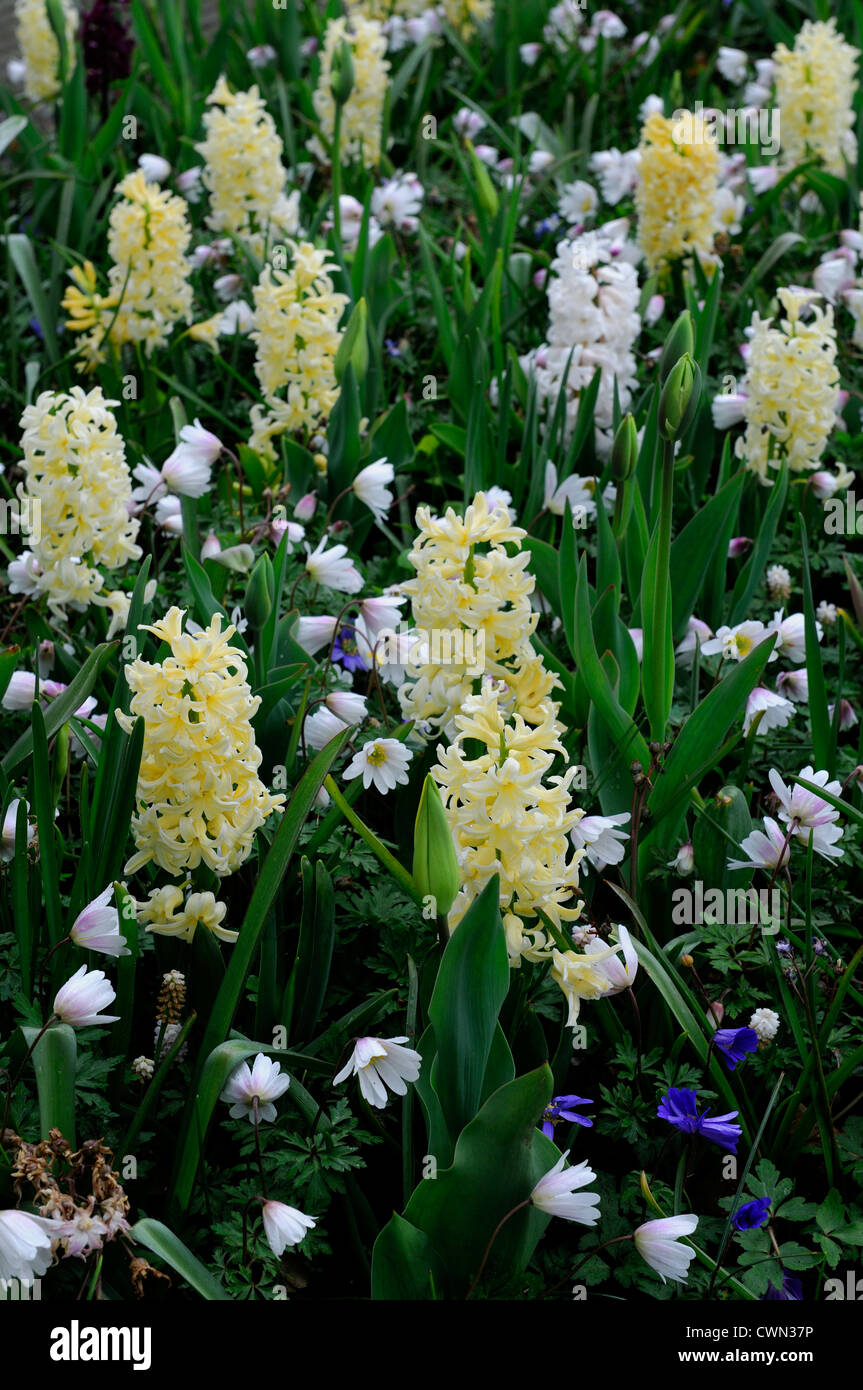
x=320 y=727
x=371 y=487
x=97 y=927
x=600 y=838
x=312 y=633
x=556 y=1193
x=382 y=761
x=262 y=1082
x=10 y=824
x=80 y=1000
x=333 y=568
x=658 y=1243
x=577 y=491
x=284 y=1225
x=25 y=1245
x=768 y=850
x=791 y=642
x=381 y=1063
x=774 y=709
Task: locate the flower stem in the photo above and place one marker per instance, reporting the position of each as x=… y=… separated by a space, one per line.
x=494 y=1235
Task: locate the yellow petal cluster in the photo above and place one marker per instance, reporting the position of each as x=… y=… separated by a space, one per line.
x=296 y=333
x=678 y=179
x=39 y=47
x=581 y=976
x=362 y=114
x=384 y=9
x=461 y=15
x=243 y=170
x=791 y=388
x=466 y=581
x=149 y=289
x=508 y=816
x=815 y=85
x=75 y=470
x=465 y=15
x=200 y=797
x=166 y=914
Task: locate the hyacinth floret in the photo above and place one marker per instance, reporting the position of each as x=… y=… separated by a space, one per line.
x=815 y=85
x=243 y=170
x=75 y=470
x=362 y=113
x=40 y=50
x=200 y=798
x=148 y=282
x=678 y=183
x=296 y=333
x=791 y=387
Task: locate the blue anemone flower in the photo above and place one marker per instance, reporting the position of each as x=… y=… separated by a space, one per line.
x=346 y=651
x=680 y=1108
x=734 y=1043
x=791 y=1291
x=562 y=1108
x=752 y=1215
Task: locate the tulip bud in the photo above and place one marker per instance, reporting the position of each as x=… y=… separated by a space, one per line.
x=680 y=340
x=435 y=868
x=342 y=73
x=354 y=346
x=624 y=450
x=486 y=192
x=679 y=399
x=260 y=594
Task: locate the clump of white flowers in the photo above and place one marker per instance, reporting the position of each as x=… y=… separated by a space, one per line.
x=593 y=298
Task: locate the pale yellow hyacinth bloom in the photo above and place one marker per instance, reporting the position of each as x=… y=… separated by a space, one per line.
x=149 y=290
x=509 y=817
x=296 y=333
x=678 y=180
x=362 y=113
x=75 y=469
x=508 y=814
x=385 y=9
x=465 y=15
x=166 y=914
x=243 y=170
x=581 y=976
x=791 y=388
x=467 y=582
x=462 y=15
x=39 y=47
x=202 y=800
x=815 y=86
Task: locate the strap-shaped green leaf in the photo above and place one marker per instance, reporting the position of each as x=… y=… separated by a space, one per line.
x=471 y=985
x=54 y=1062
x=162 y=1241
x=196 y=1117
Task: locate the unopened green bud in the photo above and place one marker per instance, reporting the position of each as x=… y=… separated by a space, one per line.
x=260 y=594
x=679 y=398
x=354 y=346
x=624 y=450
x=342 y=73
x=680 y=340
x=435 y=868
x=486 y=191
x=61 y=758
